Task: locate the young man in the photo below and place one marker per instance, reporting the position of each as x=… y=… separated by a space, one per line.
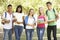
x=52 y=17
x=7 y=23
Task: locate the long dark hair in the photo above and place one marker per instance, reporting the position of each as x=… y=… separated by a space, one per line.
x=19 y=6
x=39 y=11
x=30 y=11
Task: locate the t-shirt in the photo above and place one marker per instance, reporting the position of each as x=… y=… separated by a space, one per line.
x=8 y=17
x=30 y=21
x=19 y=17
x=41 y=19
x=51 y=16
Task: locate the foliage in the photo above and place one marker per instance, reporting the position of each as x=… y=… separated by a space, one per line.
x=27 y=4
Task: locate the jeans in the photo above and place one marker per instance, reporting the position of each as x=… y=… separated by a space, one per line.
x=40 y=33
x=53 y=29
x=18 y=31
x=29 y=34
x=7 y=34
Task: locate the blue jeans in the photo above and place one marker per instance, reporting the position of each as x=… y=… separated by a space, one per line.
x=40 y=33
x=18 y=31
x=7 y=34
x=29 y=34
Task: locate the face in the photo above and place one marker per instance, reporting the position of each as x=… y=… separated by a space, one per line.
x=41 y=10
x=10 y=8
x=49 y=6
x=19 y=9
x=31 y=12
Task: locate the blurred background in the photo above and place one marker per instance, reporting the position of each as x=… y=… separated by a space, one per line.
x=27 y=4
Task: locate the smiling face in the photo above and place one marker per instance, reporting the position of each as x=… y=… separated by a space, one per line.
x=41 y=10
x=19 y=9
x=9 y=8
x=31 y=12
x=49 y=6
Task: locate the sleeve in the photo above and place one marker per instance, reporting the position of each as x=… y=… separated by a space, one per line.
x=3 y=15
x=13 y=14
x=23 y=14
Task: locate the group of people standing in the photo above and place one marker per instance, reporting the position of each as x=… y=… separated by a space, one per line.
x=19 y=21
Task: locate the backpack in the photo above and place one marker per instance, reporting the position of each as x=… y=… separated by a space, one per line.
x=53 y=11
x=26 y=21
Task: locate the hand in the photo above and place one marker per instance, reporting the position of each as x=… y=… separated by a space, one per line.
x=41 y=22
x=51 y=20
x=14 y=20
x=7 y=21
x=3 y=22
x=18 y=22
x=32 y=25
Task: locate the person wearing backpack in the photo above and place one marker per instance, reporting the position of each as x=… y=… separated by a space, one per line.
x=18 y=22
x=29 y=24
x=52 y=18
x=41 y=20
x=7 y=23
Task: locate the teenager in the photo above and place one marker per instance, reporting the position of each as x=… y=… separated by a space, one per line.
x=30 y=23
x=7 y=23
x=52 y=17
x=18 y=22
x=41 y=20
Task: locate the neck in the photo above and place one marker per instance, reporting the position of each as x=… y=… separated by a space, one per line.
x=50 y=9
x=10 y=12
x=41 y=14
x=18 y=12
x=30 y=15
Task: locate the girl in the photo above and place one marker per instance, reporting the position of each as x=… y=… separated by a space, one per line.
x=41 y=24
x=18 y=22
x=30 y=23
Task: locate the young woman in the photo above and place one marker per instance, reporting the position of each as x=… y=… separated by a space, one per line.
x=41 y=24
x=30 y=23
x=18 y=22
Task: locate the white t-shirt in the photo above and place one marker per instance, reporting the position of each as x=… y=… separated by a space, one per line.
x=8 y=17
x=19 y=17
x=30 y=21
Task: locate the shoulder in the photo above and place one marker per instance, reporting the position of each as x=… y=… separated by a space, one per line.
x=4 y=13
x=15 y=13
x=22 y=14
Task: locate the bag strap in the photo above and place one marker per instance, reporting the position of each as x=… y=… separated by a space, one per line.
x=46 y=12
x=26 y=19
x=53 y=11
x=5 y=14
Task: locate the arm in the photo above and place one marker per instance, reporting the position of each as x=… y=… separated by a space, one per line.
x=14 y=19
x=57 y=17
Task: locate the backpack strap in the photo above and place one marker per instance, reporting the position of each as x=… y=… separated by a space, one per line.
x=53 y=10
x=5 y=14
x=26 y=19
x=46 y=12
